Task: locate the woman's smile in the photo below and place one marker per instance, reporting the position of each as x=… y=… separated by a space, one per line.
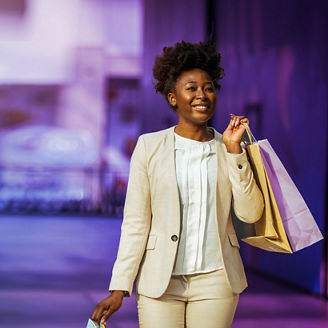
x=201 y=108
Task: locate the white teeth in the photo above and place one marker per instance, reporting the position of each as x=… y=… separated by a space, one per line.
x=200 y=107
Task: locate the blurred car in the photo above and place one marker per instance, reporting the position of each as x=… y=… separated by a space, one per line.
x=47 y=169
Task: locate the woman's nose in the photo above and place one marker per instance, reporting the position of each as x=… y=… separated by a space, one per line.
x=200 y=94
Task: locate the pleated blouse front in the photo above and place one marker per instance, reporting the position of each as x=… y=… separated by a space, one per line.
x=196 y=171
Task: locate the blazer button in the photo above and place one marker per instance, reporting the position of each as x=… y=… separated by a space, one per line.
x=174 y=237
x=240 y=166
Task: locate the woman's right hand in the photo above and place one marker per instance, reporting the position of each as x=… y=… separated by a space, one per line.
x=107 y=306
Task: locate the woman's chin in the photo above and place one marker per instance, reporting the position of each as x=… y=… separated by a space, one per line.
x=204 y=117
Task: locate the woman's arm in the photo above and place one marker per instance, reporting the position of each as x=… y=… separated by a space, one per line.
x=136 y=223
x=247 y=199
x=134 y=234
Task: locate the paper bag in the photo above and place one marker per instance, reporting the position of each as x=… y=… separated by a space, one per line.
x=300 y=226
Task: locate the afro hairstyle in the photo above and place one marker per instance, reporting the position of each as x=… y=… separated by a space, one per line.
x=185 y=56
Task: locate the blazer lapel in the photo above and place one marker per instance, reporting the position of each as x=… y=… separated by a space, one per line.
x=168 y=157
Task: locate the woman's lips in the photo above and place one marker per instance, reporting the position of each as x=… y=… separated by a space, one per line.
x=201 y=108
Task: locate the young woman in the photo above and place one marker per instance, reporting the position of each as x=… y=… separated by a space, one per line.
x=177 y=236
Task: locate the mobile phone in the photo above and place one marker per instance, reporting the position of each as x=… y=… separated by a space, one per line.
x=93 y=324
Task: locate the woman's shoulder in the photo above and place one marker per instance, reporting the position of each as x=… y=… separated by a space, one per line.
x=157 y=135
x=152 y=142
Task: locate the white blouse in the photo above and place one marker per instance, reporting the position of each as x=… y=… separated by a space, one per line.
x=196 y=171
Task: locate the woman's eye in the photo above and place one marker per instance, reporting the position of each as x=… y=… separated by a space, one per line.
x=191 y=88
x=210 y=89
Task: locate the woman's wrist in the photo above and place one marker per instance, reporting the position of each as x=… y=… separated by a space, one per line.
x=234 y=148
x=120 y=293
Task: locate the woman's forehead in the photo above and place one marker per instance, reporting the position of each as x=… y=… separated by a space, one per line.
x=196 y=75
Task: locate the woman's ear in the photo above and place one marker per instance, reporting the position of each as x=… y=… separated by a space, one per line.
x=172 y=99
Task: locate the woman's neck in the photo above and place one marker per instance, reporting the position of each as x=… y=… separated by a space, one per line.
x=198 y=133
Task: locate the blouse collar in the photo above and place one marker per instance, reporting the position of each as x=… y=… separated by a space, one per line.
x=183 y=143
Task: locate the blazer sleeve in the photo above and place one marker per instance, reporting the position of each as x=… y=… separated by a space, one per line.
x=136 y=223
x=247 y=199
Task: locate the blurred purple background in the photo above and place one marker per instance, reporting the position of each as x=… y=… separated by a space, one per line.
x=76 y=90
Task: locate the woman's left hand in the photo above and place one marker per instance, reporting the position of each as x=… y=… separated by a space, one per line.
x=233 y=134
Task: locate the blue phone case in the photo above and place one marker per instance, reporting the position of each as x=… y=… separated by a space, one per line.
x=92 y=324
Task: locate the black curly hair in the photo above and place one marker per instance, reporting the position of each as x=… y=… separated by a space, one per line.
x=182 y=57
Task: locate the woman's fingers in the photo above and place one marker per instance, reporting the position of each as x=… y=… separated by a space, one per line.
x=101 y=309
x=237 y=120
x=106 y=315
x=245 y=120
x=97 y=313
x=110 y=310
x=107 y=307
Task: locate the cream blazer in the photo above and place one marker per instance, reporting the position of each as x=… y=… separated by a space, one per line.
x=151 y=225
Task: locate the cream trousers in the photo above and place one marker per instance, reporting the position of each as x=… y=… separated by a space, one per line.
x=203 y=300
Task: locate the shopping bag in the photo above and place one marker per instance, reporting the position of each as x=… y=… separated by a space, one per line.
x=268 y=233
x=299 y=224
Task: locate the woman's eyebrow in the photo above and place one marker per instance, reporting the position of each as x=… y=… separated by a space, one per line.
x=210 y=82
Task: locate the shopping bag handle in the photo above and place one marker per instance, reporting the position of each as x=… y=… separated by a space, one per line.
x=250 y=134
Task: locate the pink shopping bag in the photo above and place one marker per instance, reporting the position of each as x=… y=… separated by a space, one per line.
x=299 y=224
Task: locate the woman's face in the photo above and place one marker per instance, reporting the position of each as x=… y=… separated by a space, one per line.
x=194 y=96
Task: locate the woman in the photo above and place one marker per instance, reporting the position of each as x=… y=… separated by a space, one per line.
x=177 y=235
